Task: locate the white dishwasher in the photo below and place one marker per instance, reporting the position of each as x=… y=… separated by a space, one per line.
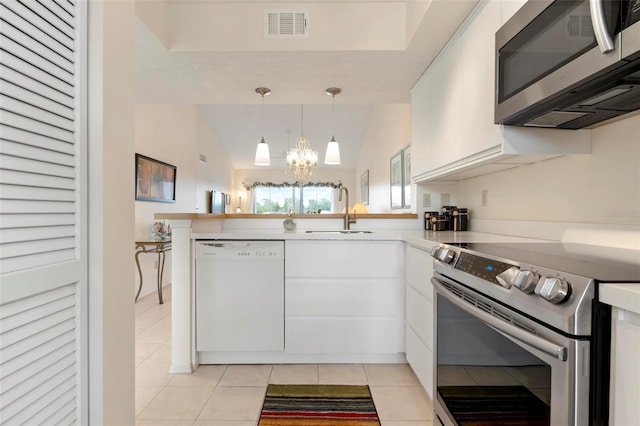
x=239 y=296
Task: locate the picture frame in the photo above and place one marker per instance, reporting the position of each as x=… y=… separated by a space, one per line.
x=227 y=199
x=396 y=180
x=406 y=177
x=364 y=188
x=155 y=180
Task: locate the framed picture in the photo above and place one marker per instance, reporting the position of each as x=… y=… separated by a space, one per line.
x=155 y=180
x=364 y=188
x=396 y=181
x=227 y=200
x=406 y=177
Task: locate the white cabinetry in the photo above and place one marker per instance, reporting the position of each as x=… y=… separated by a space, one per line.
x=343 y=297
x=453 y=104
x=419 y=317
x=625 y=370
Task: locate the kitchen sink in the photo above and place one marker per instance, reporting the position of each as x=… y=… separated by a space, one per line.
x=343 y=231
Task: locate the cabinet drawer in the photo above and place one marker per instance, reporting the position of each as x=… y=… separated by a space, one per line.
x=342 y=259
x=421 y=361
x=343 y=297
x=343 y=335
x=420 y=316
x=419 y=270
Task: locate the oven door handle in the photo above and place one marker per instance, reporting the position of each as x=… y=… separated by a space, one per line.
x=543 y=345
x=506 y=329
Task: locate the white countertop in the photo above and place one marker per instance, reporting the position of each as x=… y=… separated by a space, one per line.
x=418 y=238
x=621 y=295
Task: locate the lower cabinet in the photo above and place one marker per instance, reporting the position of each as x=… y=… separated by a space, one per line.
x=344 y=297
x=419 y=324
x=625 y=372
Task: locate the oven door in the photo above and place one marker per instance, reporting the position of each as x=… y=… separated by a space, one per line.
x=494 y=366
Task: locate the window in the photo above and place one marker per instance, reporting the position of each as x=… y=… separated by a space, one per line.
x=282 y=199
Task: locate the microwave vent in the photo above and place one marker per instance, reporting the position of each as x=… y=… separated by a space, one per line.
x=579 y=26
x=554 y=118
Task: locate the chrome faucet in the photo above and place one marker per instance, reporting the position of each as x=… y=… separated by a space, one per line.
x=347 y=220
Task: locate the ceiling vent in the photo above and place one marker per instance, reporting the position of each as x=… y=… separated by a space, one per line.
x=286 y=24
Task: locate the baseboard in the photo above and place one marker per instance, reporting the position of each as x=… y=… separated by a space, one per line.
x=293 y=358
x=181 y=369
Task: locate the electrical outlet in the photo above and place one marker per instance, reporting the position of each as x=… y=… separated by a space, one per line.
x=426 y=200
x=445 y=199
x=485 y=197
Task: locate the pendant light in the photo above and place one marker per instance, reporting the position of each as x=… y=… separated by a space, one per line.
x=262 y=150
x=332 y=156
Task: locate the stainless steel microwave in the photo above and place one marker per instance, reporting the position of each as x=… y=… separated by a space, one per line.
x=568 y=64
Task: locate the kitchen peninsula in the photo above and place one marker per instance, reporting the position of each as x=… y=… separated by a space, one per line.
x=323 y=255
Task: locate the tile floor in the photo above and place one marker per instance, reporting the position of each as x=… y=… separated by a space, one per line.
x=232 y=395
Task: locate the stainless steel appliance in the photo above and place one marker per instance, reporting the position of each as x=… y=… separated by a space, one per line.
x=520 y=335
x=568 y=63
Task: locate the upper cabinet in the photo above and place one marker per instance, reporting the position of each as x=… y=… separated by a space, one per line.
x=453 y=135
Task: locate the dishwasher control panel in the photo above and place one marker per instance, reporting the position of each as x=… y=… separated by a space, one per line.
x=265 y=250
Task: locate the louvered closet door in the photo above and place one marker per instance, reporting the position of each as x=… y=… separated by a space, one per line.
x=42 y=213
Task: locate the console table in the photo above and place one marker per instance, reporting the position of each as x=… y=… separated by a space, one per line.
x=159 y=247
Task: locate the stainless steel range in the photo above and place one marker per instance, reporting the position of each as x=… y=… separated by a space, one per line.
x=521 y=338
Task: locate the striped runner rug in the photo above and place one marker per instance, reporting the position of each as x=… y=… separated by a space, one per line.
x=318 y=405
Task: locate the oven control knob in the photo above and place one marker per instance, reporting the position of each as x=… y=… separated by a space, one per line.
x=526 y=281
x=507 y=277
x=446 y=255
x=435 y=251
x=553 y=290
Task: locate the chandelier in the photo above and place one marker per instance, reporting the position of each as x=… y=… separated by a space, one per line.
x=301 y=160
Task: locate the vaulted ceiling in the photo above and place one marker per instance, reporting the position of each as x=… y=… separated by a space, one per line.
x=214 y=53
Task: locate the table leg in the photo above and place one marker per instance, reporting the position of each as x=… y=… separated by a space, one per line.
x=161 y=257
x=139 y=273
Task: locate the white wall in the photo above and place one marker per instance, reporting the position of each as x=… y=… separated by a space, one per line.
x=388 y=131
x=277 y=176
x=217 y=172
x=176 y=134
x=603 y=187
x=111 y=209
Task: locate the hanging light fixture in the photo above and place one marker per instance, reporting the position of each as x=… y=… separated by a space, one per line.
x=301 y=159
x=333 y=149
x=262 y=151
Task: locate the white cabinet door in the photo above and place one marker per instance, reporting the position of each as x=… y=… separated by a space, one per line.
x=625 y=372
x=476 y=79
x=444 y=105
x=421 y=124
x=419 y=315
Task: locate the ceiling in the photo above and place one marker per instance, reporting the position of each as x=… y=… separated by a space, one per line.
x=214 y=54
